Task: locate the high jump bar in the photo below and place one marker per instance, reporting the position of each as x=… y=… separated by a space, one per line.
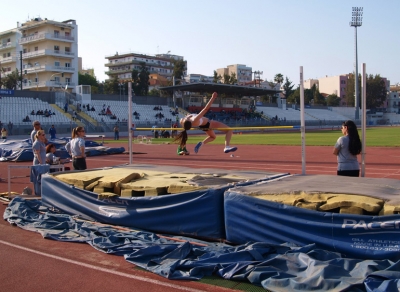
x=222 y=129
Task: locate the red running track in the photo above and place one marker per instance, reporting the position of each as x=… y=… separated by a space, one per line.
x=31 y=263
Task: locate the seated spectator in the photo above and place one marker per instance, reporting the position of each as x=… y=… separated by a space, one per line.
x=108 y=111
x=32 y=112
x=52 y=159
x=113 y=117
x=92 y=109
x=27 y=119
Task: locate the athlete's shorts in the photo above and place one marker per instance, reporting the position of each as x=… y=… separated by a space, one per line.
x=205 y=127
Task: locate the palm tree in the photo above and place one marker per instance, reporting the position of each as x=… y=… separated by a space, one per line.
x=278 y=78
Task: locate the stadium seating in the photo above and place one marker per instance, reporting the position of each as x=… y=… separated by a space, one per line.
x=15 y=109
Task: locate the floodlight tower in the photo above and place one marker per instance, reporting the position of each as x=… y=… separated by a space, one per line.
x=356 y=20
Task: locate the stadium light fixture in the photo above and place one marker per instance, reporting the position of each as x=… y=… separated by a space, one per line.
x=356 y=20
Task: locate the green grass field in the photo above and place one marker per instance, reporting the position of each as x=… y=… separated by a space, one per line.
x=379 y=136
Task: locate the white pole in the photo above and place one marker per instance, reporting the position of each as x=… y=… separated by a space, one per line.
x=303 y=126
x=130 y=121
x=364 y=117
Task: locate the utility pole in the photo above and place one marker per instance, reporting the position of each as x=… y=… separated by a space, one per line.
x=20 y=59
x=356 y=20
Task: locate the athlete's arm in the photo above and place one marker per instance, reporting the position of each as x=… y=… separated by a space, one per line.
x=207 y=107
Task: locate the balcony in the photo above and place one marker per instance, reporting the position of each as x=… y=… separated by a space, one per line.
x=47 y=52
x=43 y=36
x=8 y=45
x=8 y=60
x=112 y=72
x=33 y=69
x=30 y=84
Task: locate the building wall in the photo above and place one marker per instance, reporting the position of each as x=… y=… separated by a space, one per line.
x=334 y=85
x=242 y=72
x=310 y=83
x=9 y=51
x=49 y=52
x=121 y=65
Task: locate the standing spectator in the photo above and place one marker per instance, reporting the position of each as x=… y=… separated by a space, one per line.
x=52 y=132
x=66 y=107
x=39 y=148
x=116 y=132
x=36 y=128
x=10 y=127
x=346 y=149
x=77 y=148
x=3 y=133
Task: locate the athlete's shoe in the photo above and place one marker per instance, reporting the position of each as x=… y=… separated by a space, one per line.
x=230 y=149
x=197 y=147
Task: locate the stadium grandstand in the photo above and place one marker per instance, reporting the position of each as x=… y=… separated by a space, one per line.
x=23 y=107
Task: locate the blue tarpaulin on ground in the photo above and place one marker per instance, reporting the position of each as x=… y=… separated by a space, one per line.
x=283 y=267
x=21 y=150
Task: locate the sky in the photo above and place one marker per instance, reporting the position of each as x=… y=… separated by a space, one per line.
x=269 y=36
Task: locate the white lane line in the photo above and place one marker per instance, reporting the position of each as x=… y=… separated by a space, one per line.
x=101 y=269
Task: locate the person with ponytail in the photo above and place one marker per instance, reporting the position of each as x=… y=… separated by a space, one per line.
x=346 y=149
x=39 y=148
x=77 y=148
x=199 y=121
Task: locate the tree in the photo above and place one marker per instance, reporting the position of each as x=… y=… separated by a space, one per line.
x=294 y=98
x=111 y=86
x=154 y=92
x=86 y=79
x=12 y=80
x=333 y=100
x=232 y=78
x=278 y=78
x=144 y=77
x=287 y=88
x=179 y=70
x=140 y=80
x=350 y=101
x=216 y=78
x=376 y=91
x=318 y=97
x=227 y=79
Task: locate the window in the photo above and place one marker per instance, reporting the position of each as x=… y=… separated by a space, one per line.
x=67 y=49
x=67 y=80
x=56 y=33
x=8 y=54
x=67 y=34
x=57 y=79
x=57 y=63
x=56 y=48
x=68 y=65
x=36 y=80
x=36 y=49
x=24 y=51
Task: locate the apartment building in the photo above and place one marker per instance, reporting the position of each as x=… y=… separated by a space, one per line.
x=121 y=65
x=194 y=78
x=49 y=52
x=9 y=46
x=242 y=72
x=334 y=85
x=309 y=83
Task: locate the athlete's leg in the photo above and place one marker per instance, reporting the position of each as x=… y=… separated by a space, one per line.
x=228 y=133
